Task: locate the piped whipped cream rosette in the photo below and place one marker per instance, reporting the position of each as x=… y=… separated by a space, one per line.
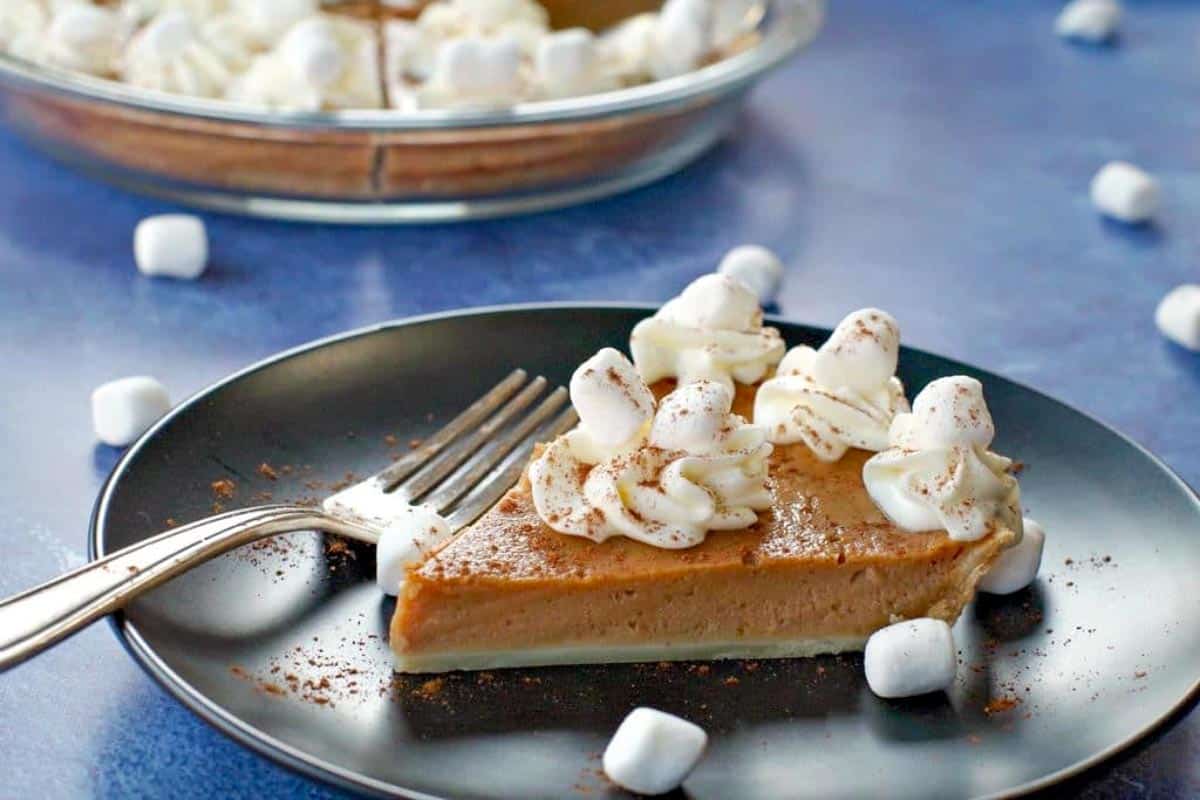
x=844 y=394
x=712 y=331
x=664 y=475
x=938 y=472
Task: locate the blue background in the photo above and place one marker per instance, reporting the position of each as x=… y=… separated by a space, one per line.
x=929 y=157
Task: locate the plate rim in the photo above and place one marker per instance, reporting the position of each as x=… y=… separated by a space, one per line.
x=295 y=759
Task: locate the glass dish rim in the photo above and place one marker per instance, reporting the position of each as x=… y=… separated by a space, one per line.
x=787 y=27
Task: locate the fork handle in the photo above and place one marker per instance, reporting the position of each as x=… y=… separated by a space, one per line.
x=34 y=620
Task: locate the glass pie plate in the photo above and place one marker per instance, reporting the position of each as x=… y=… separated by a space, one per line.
x=383 y=166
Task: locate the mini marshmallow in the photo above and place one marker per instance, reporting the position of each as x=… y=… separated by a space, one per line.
x=691 y=417
x=1088 y=20
x=1178 y=315
x=171 y=54
x=612 y=400
x=755 y=266
x=312 y=50
x=1125 y=192
x=1018 y=565
x=20 y=20
x=628 y=46
x=910 y=658
x=861 y=353
x=731 y=19
x=680 y=38
x=565 y=63
x=122 y=410
x=948 y=412
x=481 y=69
x=653 y=751
x=715 y=302
x=175 y=245
x=271 y=19
x=491 y=15
x=164 y=38
x=407 y=541
x=84 y=37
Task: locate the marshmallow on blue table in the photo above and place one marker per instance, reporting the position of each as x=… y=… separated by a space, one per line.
x=652 y=751
x=174 y=245
x=911 y=658
x=1018 y=565
x=1088 y=20
x=122 y=410
x=1178 y=315
x=756 y=267
x=1125 y=192
x=407 y=541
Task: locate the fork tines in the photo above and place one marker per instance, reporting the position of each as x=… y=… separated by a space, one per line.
x=463 y=469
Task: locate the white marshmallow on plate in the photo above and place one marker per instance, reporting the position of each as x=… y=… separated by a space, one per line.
x=407 y=541
x=1178 y=315
x=653 y=751
x=174 y=245
x=1125 y=192
x=1088 y=20
x=757 y=267
x=1018 y=565
x=910 y=658
x=612 y=400
x=124 y=409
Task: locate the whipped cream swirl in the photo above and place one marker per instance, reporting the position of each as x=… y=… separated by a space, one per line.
x=689 y=466
x=843 y=395
x=712 y=331
x=938 y=472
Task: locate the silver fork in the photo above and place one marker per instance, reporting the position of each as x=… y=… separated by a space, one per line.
x=460 y=471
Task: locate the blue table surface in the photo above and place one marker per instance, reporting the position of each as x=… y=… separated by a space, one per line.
x=931 y=158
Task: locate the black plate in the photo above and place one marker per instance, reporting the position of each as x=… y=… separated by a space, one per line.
x=1101 y=649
